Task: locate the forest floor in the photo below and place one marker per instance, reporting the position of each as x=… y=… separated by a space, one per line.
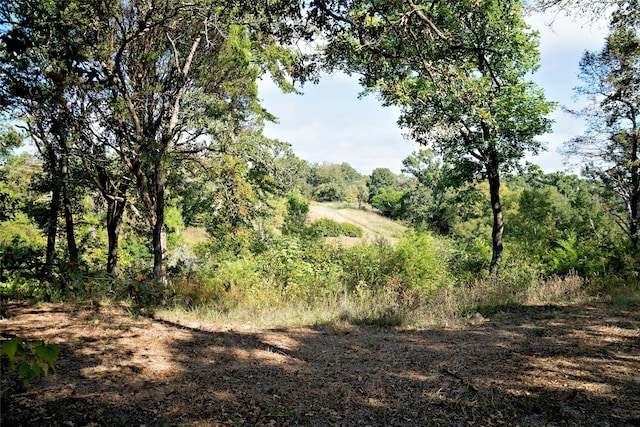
x=530 y=365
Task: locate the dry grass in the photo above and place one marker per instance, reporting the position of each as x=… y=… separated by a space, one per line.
x=533 y=365
x=570 y=288
x=374 y=226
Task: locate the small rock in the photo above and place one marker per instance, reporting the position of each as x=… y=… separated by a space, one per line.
x=476 y=318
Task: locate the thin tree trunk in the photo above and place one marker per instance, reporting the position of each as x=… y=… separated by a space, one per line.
x=115 y=211
x=116 y=198
x=635 y=191
x=52 y=231
x=159 y=236
x=68 y=209
x=52 y=222
x=498 y=221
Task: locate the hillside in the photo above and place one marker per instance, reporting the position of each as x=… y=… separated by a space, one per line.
x=372 y=224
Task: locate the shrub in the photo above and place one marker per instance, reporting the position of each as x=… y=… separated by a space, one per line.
x=557 y=288
x=30 y=360
x=422 y=262
x=369 y=266
x=325 y=227
x=302 y=270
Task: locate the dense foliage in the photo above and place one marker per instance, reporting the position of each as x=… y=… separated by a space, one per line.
x=133 y=164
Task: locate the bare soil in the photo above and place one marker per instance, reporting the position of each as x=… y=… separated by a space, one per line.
x=534 y=365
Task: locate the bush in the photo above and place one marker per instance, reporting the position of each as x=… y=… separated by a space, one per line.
x=29 y=360
x=329 y=228
x=422 y=261
x=369 y=266
x=304 y=271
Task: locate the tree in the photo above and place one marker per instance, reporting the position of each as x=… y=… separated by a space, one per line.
x=41 y=66
x=106 y=174
x=9 y=140
x=179 y=75
x=590 y=8
x=333 y=182
x=611 y=145
x=21 y=242
x=457 y=70
x=427 y=203
x=297 y=212
x=230 y=191
x=381 y=178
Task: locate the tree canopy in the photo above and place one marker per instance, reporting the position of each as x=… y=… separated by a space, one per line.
x=458 y=71
x=610 y=147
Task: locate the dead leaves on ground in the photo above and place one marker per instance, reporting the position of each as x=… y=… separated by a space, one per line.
x=531 y=366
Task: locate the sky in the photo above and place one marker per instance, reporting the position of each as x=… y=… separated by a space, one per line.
x=330 y=123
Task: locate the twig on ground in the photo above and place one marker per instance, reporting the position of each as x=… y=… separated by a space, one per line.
x=458 y=377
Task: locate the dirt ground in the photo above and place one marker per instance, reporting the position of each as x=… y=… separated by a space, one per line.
x=534 y=366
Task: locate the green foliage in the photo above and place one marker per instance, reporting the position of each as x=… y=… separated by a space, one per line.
x=29 y=360
x=369 y=266
x=21 y=287
x=436 y=61
x=381 y=178
x=389 y=202
x=332 y=182
x=423 y=262
x=303 y=271
x=325 y=227
x=327 y=192
x=567 y=256
x=610 y=148
x=297 y=211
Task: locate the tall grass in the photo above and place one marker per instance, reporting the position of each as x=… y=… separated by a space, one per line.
x=408 y=284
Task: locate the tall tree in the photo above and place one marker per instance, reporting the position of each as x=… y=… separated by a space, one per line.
x=458 y=71
x=611 y=145
x=40 y=67
x=179 y=74
x=104 y=172
x=381 y=178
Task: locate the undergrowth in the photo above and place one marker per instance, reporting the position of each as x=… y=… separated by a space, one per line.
x=447 y=306
x=420 y=280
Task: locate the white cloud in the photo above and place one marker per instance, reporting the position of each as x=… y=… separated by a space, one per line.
x=560 y=33
x=328 y=123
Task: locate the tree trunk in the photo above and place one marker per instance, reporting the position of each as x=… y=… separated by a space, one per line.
x=68 y=209
x=52 y=222
x=115 y=211
x=159 y=236
x=635 y=191
x=116 y=198
x=498 y=222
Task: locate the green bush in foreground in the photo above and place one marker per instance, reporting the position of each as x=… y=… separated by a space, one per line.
x=30 y=360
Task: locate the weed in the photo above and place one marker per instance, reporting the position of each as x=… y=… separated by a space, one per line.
x=29 y=360
x=626 y=302
x=372 y=342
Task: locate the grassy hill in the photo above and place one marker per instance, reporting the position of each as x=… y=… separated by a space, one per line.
x=373 y=225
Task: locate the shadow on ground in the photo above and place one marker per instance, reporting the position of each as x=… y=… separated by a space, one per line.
x=547 y=365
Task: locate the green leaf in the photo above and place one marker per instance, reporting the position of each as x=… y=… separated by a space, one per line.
x=48 y=352
x=11 y=347
x=25 y=370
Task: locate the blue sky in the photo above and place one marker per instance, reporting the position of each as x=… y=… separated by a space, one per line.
x=329 y=123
